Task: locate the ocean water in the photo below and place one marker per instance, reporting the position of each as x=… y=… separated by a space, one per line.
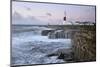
x=30 y=47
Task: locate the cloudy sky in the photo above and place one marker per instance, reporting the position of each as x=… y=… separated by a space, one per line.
x=42 y=13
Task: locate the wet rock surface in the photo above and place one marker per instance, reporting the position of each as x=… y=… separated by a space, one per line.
x=45 y=32
x=65 y=54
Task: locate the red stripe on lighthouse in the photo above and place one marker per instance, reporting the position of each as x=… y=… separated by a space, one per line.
x=64 y=18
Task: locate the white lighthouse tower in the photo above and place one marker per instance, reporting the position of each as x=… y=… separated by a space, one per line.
x=64 y=18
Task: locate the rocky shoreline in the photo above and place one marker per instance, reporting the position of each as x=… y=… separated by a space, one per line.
x=65 y=54
x=83 y=49
x=84 y=46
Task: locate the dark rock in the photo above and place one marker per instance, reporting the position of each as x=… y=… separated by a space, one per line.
x=57 y=34
x=45 y=32
x=61 y=56
x=65 y=54
x=50 y=55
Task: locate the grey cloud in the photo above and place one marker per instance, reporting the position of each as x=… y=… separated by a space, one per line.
x=30 y=20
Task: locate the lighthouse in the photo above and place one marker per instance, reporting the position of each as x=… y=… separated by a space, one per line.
x=64 y=18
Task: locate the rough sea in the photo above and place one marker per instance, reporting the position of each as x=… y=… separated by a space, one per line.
x=30 y=47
